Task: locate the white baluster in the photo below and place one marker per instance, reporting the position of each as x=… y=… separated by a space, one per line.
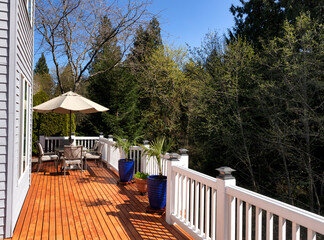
x=202 y=207
x=187 y=199
x=258 y=223
x=248 y=222
x=239 y=218
x=269 y=226
x=282 y=228
x=207 y=211
x=196 y=205
x=311 y=235
x=231 y=214
x=295 y=231
x=213 y=214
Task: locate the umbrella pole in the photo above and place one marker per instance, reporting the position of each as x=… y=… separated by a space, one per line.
x=70 y=129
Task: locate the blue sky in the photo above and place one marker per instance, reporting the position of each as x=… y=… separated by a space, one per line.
x=184 y=21
x=187 y=21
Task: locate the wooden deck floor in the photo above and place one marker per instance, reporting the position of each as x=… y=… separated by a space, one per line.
x=88 y=207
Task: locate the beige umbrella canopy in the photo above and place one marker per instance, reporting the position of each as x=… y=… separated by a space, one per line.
x=68 y=103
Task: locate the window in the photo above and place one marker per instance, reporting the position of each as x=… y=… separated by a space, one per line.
x=30 y=7
x=24 y=125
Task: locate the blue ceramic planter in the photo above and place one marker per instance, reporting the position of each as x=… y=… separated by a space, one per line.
x=126 y=170
x=156 y=191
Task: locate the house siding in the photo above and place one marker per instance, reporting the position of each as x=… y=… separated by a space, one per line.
x=24 y=70
x=4 y=23
x=16 y=63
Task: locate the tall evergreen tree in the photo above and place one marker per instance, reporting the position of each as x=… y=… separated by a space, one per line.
x=257 y=20
x=41 y=66
x=146 y=41
x=114 y=87
x=42 y=78
x=261 y=20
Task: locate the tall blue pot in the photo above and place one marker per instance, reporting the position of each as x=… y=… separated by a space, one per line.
x=126 y=170
x=156 y=191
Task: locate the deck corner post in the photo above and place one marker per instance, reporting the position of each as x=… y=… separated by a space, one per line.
x=184 y=158
x=181 y=160
x=101 y=135
x=109 y=149
x=170 y=193
x=224 y=204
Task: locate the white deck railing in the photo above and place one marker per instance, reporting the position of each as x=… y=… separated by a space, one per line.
x=50 y=143
x=213 y=208
x=111 y=155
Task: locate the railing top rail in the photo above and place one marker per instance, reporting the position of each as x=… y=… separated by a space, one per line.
x=106 y=140
x=75 y=137
x=85 y=137
x=136 y=148
x=289 y=212
x=200 y=177
x=55 y=137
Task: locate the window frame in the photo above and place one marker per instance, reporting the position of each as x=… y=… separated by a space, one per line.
x=24 y=135
x=29 y=4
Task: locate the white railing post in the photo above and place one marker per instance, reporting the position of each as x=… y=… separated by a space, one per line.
x=101 y=135
x=175 y=160
x=144 y=157
x=109 y=149
x=184 y=158
x=225 y=214
x=42 y=140
x=73 y=141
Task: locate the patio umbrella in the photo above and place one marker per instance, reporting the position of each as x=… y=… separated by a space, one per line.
x=69 y=103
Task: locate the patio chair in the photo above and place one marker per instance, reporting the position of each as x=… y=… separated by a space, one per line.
x=44 y=157
x=97 y=155
x=72 y=157
x=95 y=147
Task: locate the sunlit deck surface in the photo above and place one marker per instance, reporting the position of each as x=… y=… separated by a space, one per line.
x=88 y=207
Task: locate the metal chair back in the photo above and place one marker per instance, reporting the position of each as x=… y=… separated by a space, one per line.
x=72 y=152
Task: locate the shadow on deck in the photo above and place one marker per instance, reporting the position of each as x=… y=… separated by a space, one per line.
x=88 y=207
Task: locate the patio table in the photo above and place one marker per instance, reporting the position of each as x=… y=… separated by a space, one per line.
x=59 y=151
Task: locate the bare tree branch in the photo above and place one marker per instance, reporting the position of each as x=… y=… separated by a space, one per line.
x=70 y=30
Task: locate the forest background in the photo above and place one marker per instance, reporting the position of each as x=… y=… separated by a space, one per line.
x=252 y=100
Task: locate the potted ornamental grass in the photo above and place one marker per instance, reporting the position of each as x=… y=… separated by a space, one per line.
x=141 y=182
x=157 y=184
x=125 y=165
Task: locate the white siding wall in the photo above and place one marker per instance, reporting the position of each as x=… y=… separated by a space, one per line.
x=16 y=48
x=24 y=68
x=4 y=18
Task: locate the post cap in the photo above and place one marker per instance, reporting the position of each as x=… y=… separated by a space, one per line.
x=172 y=156
x=183 y=151
x=145 y=142
x=225 y=172
x=110 y=136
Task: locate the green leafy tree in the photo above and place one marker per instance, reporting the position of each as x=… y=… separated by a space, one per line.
x=293 y=95
x=164 y=84
x=49 y=124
